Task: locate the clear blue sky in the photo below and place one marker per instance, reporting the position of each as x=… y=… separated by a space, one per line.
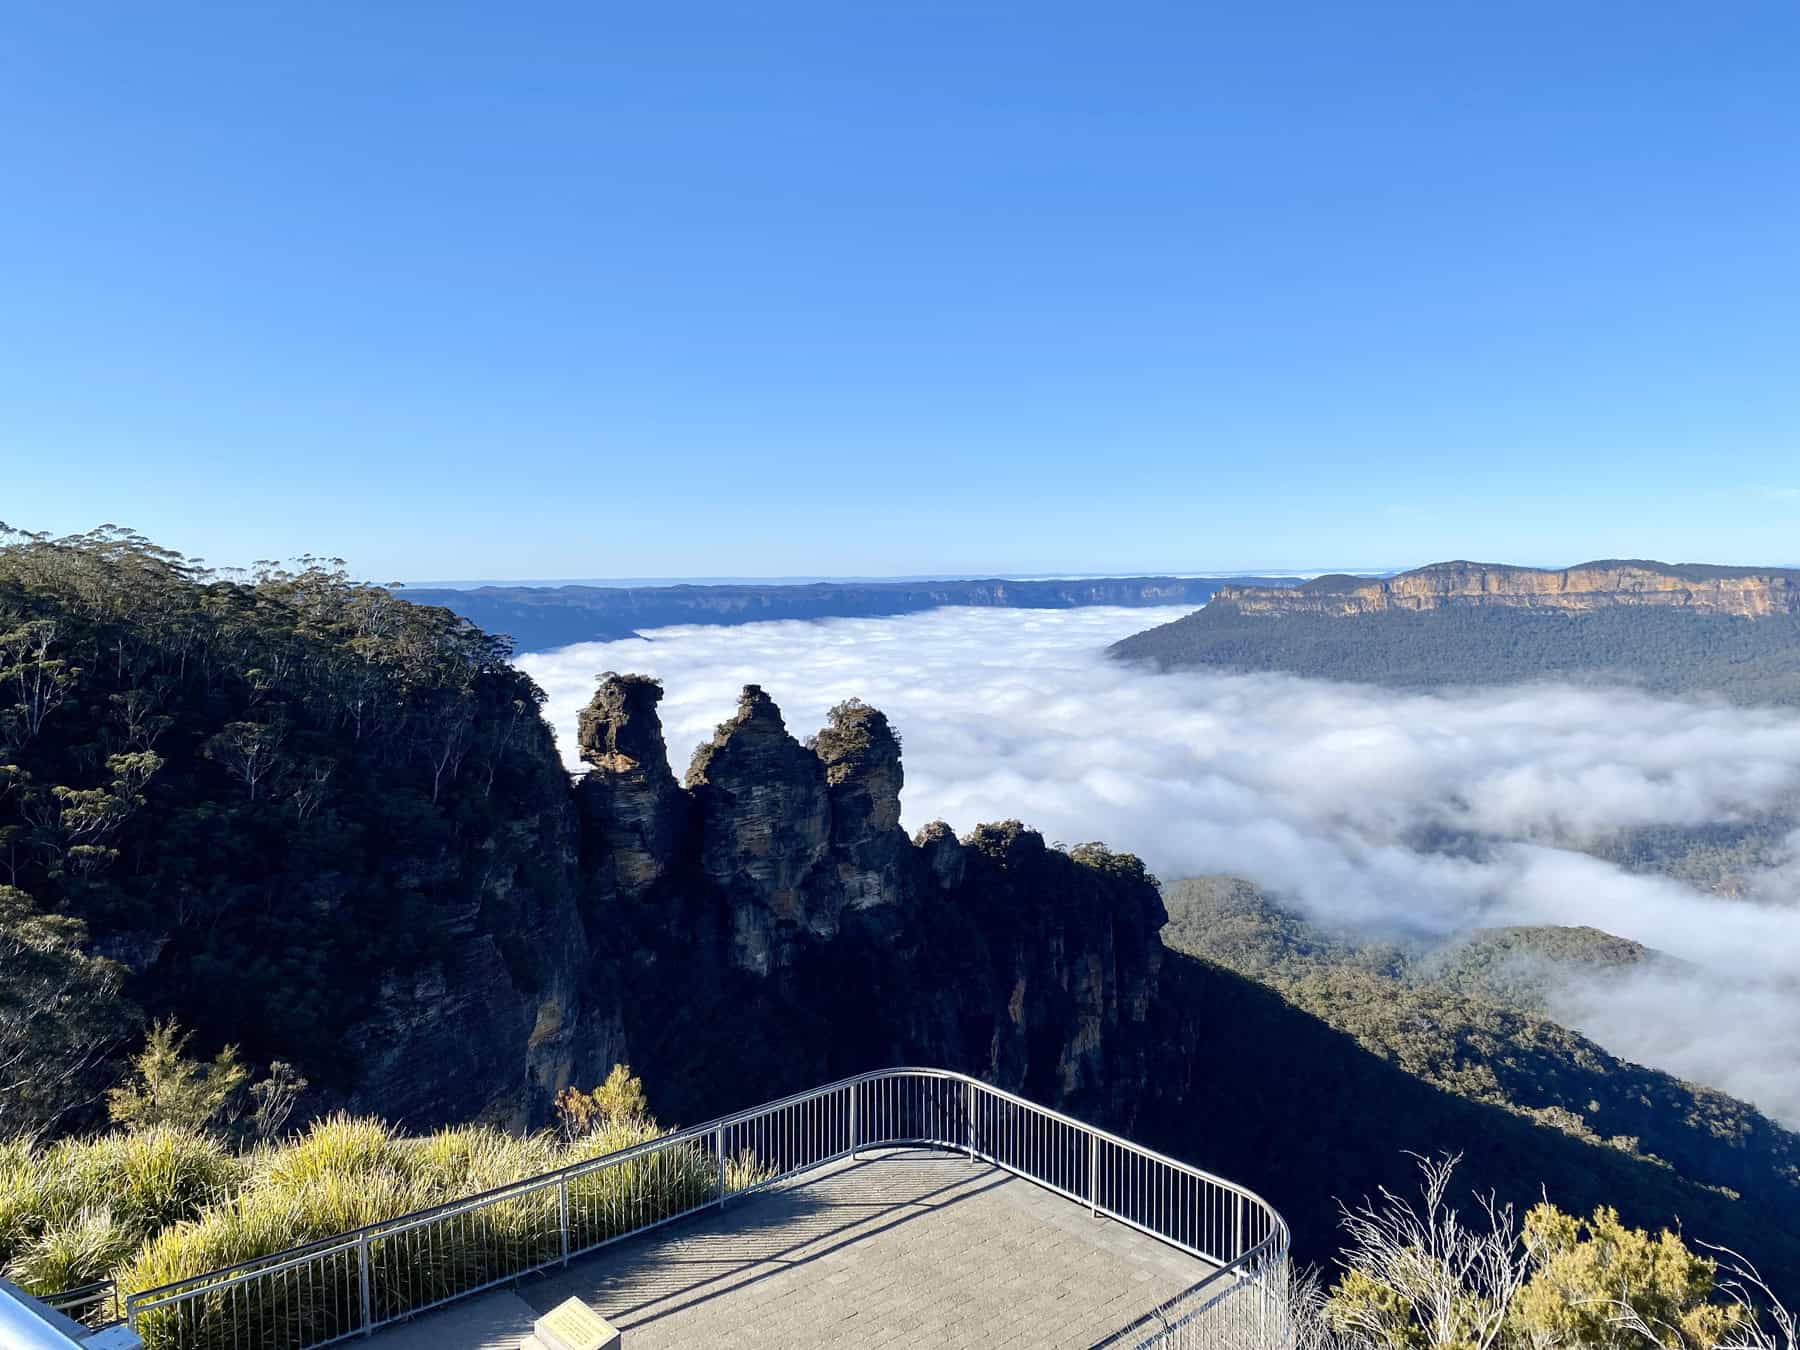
x=599 y=289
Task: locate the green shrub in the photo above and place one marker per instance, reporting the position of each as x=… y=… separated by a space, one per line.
x=167 y=1204
x=345 y=1173
x=338 y=1146
x=141 y=1181
x=150 y=1178
x=167 y=1088
x=74 y=1251
x=473 y=1159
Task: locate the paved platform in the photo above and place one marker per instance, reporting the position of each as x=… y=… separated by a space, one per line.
x=903 y=1248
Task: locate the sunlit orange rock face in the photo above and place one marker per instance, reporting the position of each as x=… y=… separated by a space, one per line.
x=1589 y=586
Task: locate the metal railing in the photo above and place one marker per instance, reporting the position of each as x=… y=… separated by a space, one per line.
x=95 y=1304
x=349 y=1285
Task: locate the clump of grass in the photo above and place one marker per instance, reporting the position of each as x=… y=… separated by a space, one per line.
x=151 y=1177
x=129 y=1184
x=337 y=1146
x=478 y=1158
x=74 y=1251
x=162 y=1205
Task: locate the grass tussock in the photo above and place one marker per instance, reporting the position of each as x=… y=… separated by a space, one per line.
x=71 y=1213
x=159 y=1206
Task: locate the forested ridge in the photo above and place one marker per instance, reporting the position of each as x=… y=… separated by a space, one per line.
x=541 y=617
x=248 y=789
x=1662 y=650
x=1469 y=1019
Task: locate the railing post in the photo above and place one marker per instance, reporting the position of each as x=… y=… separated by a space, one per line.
x=969 y=1120
x=362 y=1271
x=562 y=1206
x=1094 y=1175
x=719 y=1156
x=1238 y=1204
x=855 y=1124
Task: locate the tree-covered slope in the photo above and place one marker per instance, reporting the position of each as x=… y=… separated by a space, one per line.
x=1467 y=1021
x=1275 y=1096
x=1663 y=650
x=301 y=814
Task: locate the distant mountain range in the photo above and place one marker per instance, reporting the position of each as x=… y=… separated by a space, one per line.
x=1680 y=629
x=537 y=618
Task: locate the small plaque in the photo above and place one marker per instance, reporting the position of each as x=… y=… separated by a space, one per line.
x=575 y=1326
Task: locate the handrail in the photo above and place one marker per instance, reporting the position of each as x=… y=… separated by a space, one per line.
x=348 y=1284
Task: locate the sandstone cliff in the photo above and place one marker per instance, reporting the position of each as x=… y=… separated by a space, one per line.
x=1679 y=630
x=1588 y=586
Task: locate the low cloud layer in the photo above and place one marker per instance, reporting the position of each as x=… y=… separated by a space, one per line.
x=1338 y=798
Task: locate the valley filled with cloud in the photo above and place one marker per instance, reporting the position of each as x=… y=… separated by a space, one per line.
x=1409 y=816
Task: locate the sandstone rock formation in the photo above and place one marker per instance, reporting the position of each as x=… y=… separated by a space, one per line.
x=1589 y=586
x=502 y=1011
x=871 y=855
x=631 y=805
x=765 y=826
x=793 y=932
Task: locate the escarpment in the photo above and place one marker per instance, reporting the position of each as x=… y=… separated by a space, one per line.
x=1579 y=589
x=1670 y=629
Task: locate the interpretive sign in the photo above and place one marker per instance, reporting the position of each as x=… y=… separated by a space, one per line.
x=575 y=1326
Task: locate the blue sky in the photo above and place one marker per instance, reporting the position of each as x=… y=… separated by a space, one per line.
x=601 y=290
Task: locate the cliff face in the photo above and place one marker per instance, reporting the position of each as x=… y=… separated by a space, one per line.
x=794 y=933
x=502 y=1012
x=1590 y=586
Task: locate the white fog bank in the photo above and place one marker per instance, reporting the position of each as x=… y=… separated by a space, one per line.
x=1316 y=791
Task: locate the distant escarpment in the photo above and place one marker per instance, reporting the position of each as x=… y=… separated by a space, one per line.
x=538 y=618
x=1702 y=589
x=1679 y=629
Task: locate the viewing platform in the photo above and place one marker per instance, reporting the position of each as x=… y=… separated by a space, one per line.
x=904 y=1247
x=907 y=1206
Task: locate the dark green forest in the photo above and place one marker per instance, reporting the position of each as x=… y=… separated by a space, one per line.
x=247 y=790
x=1661 y=650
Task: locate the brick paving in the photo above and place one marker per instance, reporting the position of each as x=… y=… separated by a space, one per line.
x=905 y=1247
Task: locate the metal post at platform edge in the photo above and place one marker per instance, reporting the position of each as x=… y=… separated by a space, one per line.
x=1094 y=1175
x=562 y=1205
x=719 y=1155
x=362 y=1273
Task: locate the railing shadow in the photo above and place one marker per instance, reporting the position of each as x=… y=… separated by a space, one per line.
x=763 y=1235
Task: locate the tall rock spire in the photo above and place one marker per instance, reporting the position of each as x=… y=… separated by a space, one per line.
x=629 y=796
x=765 y=825
x=870 y=851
